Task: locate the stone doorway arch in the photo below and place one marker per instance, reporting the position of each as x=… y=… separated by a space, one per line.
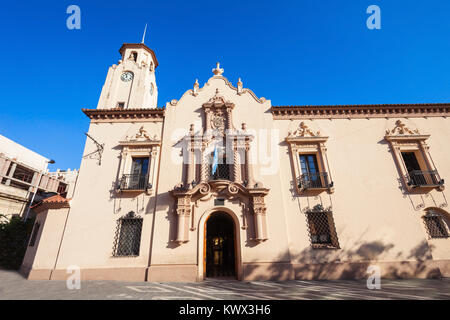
x=214 y=259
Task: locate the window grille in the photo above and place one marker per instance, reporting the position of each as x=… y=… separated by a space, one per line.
x=435 y=225
x=321 y=229
x=128 y=236
x=222 y=172
x=34 y=234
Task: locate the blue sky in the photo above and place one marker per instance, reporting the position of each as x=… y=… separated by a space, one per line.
x=292 y=52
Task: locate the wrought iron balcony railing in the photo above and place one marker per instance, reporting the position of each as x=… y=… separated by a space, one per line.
x=316 y=180
x=134 y=182
x=419 y=178
x=222 y=172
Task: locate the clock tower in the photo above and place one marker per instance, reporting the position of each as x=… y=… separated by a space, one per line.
x=131 y=83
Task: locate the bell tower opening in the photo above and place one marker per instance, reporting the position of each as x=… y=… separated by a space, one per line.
x=220 y=246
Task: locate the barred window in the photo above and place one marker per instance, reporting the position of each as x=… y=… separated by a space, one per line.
x=435 y=225
x=321 y=229
x=34 y=234
x=128 y=236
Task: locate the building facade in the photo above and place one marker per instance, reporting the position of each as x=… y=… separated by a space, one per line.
x=25 y=178
x=221 y=183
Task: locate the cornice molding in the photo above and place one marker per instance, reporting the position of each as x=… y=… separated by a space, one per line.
x=125 y=115
x=361 y=111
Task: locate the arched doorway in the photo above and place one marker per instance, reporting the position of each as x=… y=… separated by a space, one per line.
x=220 y=246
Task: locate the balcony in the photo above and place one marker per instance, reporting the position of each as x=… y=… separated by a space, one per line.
x=222 y=172
x=419 y=178
x=314 y=181
x=134 y=182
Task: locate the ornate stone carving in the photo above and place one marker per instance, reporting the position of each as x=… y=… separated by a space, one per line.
x=303 y=131
x=401 y=129
x=186 y=197
x=218 y=71
x=218 y=122
x=196 y=88
x=217 y=98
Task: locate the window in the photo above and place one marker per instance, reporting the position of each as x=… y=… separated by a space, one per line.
x=435 y=225
x=128 y=236
x=321 y=229
x=121 y=105
x=23 y=174
x=34 y=234
x=133 y=56
x=138 y=178
x=62 y=188
x=138 y=165
x=223 y=169
x=309 y=159
x=311 y=177
x=413 y=158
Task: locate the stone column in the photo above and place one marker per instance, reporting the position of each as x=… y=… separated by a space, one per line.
x=153 y=162
x=203 y=166
x=236 y=164
x=11 y=173
x=33 y=182
x=229 y=119
x=190 y=164
x=4 y=167
x=249 y=166
x=208 y=119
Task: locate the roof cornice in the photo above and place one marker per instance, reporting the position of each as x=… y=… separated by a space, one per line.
x=361 y=111
x=125 y=115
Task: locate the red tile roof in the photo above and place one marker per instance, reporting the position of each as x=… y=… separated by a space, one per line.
x=54 y=202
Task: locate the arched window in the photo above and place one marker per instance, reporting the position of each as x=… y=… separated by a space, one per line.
x=133 y=56
x=436 y=224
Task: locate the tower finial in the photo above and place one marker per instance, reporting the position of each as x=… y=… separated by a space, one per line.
x=143 y=36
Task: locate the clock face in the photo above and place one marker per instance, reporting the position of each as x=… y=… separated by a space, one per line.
x=126 y=76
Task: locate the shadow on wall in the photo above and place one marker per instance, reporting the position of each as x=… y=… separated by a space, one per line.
x=321 y=264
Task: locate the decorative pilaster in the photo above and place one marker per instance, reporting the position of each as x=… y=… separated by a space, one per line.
x=229 y=118
x=236 y=164
x=183 y=213
x=203 y=166
x=249 y=166
x=207 y=118
x=259 y=215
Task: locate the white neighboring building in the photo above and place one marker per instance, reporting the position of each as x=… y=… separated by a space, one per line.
x=24 y=172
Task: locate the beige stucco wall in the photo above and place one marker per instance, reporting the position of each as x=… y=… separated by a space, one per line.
x=374 y=219
x=40 y=259
x=95 y=208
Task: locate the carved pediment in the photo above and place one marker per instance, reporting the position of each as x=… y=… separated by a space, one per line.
x=218 y=99
x=402 y=134
x=303 y=134
x=303 y=131
x=224 y=188
x=401 y=129
x=142 y=137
